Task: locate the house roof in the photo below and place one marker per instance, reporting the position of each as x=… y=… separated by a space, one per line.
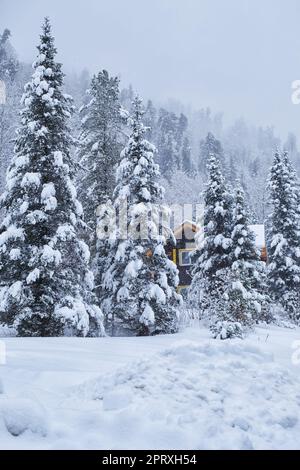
x=186 y=224
x=258 y=230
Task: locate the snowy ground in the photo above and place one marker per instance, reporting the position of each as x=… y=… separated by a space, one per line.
x=183 y=391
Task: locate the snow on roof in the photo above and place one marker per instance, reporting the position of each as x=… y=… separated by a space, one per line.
x=258 y=229
x=259 y=232
x=186 y=223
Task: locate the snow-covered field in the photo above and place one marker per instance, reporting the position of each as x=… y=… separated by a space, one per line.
x=182 y=391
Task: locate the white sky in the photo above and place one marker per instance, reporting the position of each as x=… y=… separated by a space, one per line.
x=236 y=56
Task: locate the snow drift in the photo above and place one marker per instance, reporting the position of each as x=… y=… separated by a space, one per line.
x=209 y=396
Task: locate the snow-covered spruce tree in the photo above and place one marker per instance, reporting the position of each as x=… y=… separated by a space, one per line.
x=247 y=301
x=283 y=237
x=212 y=259
x=99 y=147
x=296 y=184
x=8 y=63
x=46 y=284
x=150 y=118
x=140 y=283
x=210 y=146
x=187 y=165
x=232 y=171
x=99 y=150
x=10 y=94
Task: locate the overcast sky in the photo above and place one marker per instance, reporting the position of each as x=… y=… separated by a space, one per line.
x=236 y=56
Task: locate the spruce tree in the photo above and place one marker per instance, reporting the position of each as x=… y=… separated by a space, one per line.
x=126 y=97
x=232 y=171
x=181 y=136
x=212 y=259
x=247 y=301
x=150 y=121
x=186 y=158
x=45 y=281
x=141 y=281
x=8 y=63
x=11 y=89
x=172 y=142
x=99 y=150
x=210 y=146
x=167 y=125
x=99 y=146
x=283 y=236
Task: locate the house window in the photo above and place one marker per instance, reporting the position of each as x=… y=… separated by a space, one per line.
x=185 y=257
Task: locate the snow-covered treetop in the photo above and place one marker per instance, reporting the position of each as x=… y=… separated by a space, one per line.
x=8 y=61
x=243 y=238
x=43 y=99
x=137 y=173
x=283 y=190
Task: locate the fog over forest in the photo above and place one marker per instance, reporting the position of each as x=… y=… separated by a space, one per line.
x=222 y=66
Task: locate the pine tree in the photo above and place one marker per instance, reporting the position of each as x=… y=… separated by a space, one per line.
x=8 y=63
x=247 y=301
x=254 y=167
x=210 y=146
x=283 y=236
x=140 y=282
x=99 y=148
x=172 y=142
x=150 y=121
x=126 y=97
x=45 y=281
x=232 y=171
x=11 y=89
x=186 y=158
x=77 y=85
x=166 y=142
x=295 y=183
x=212 y=259
x=291 y=148
x=181 y=136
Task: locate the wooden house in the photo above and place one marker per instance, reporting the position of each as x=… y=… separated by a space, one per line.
x=180 y=248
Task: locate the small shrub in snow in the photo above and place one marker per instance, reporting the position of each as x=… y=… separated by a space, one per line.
x=226 y=330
